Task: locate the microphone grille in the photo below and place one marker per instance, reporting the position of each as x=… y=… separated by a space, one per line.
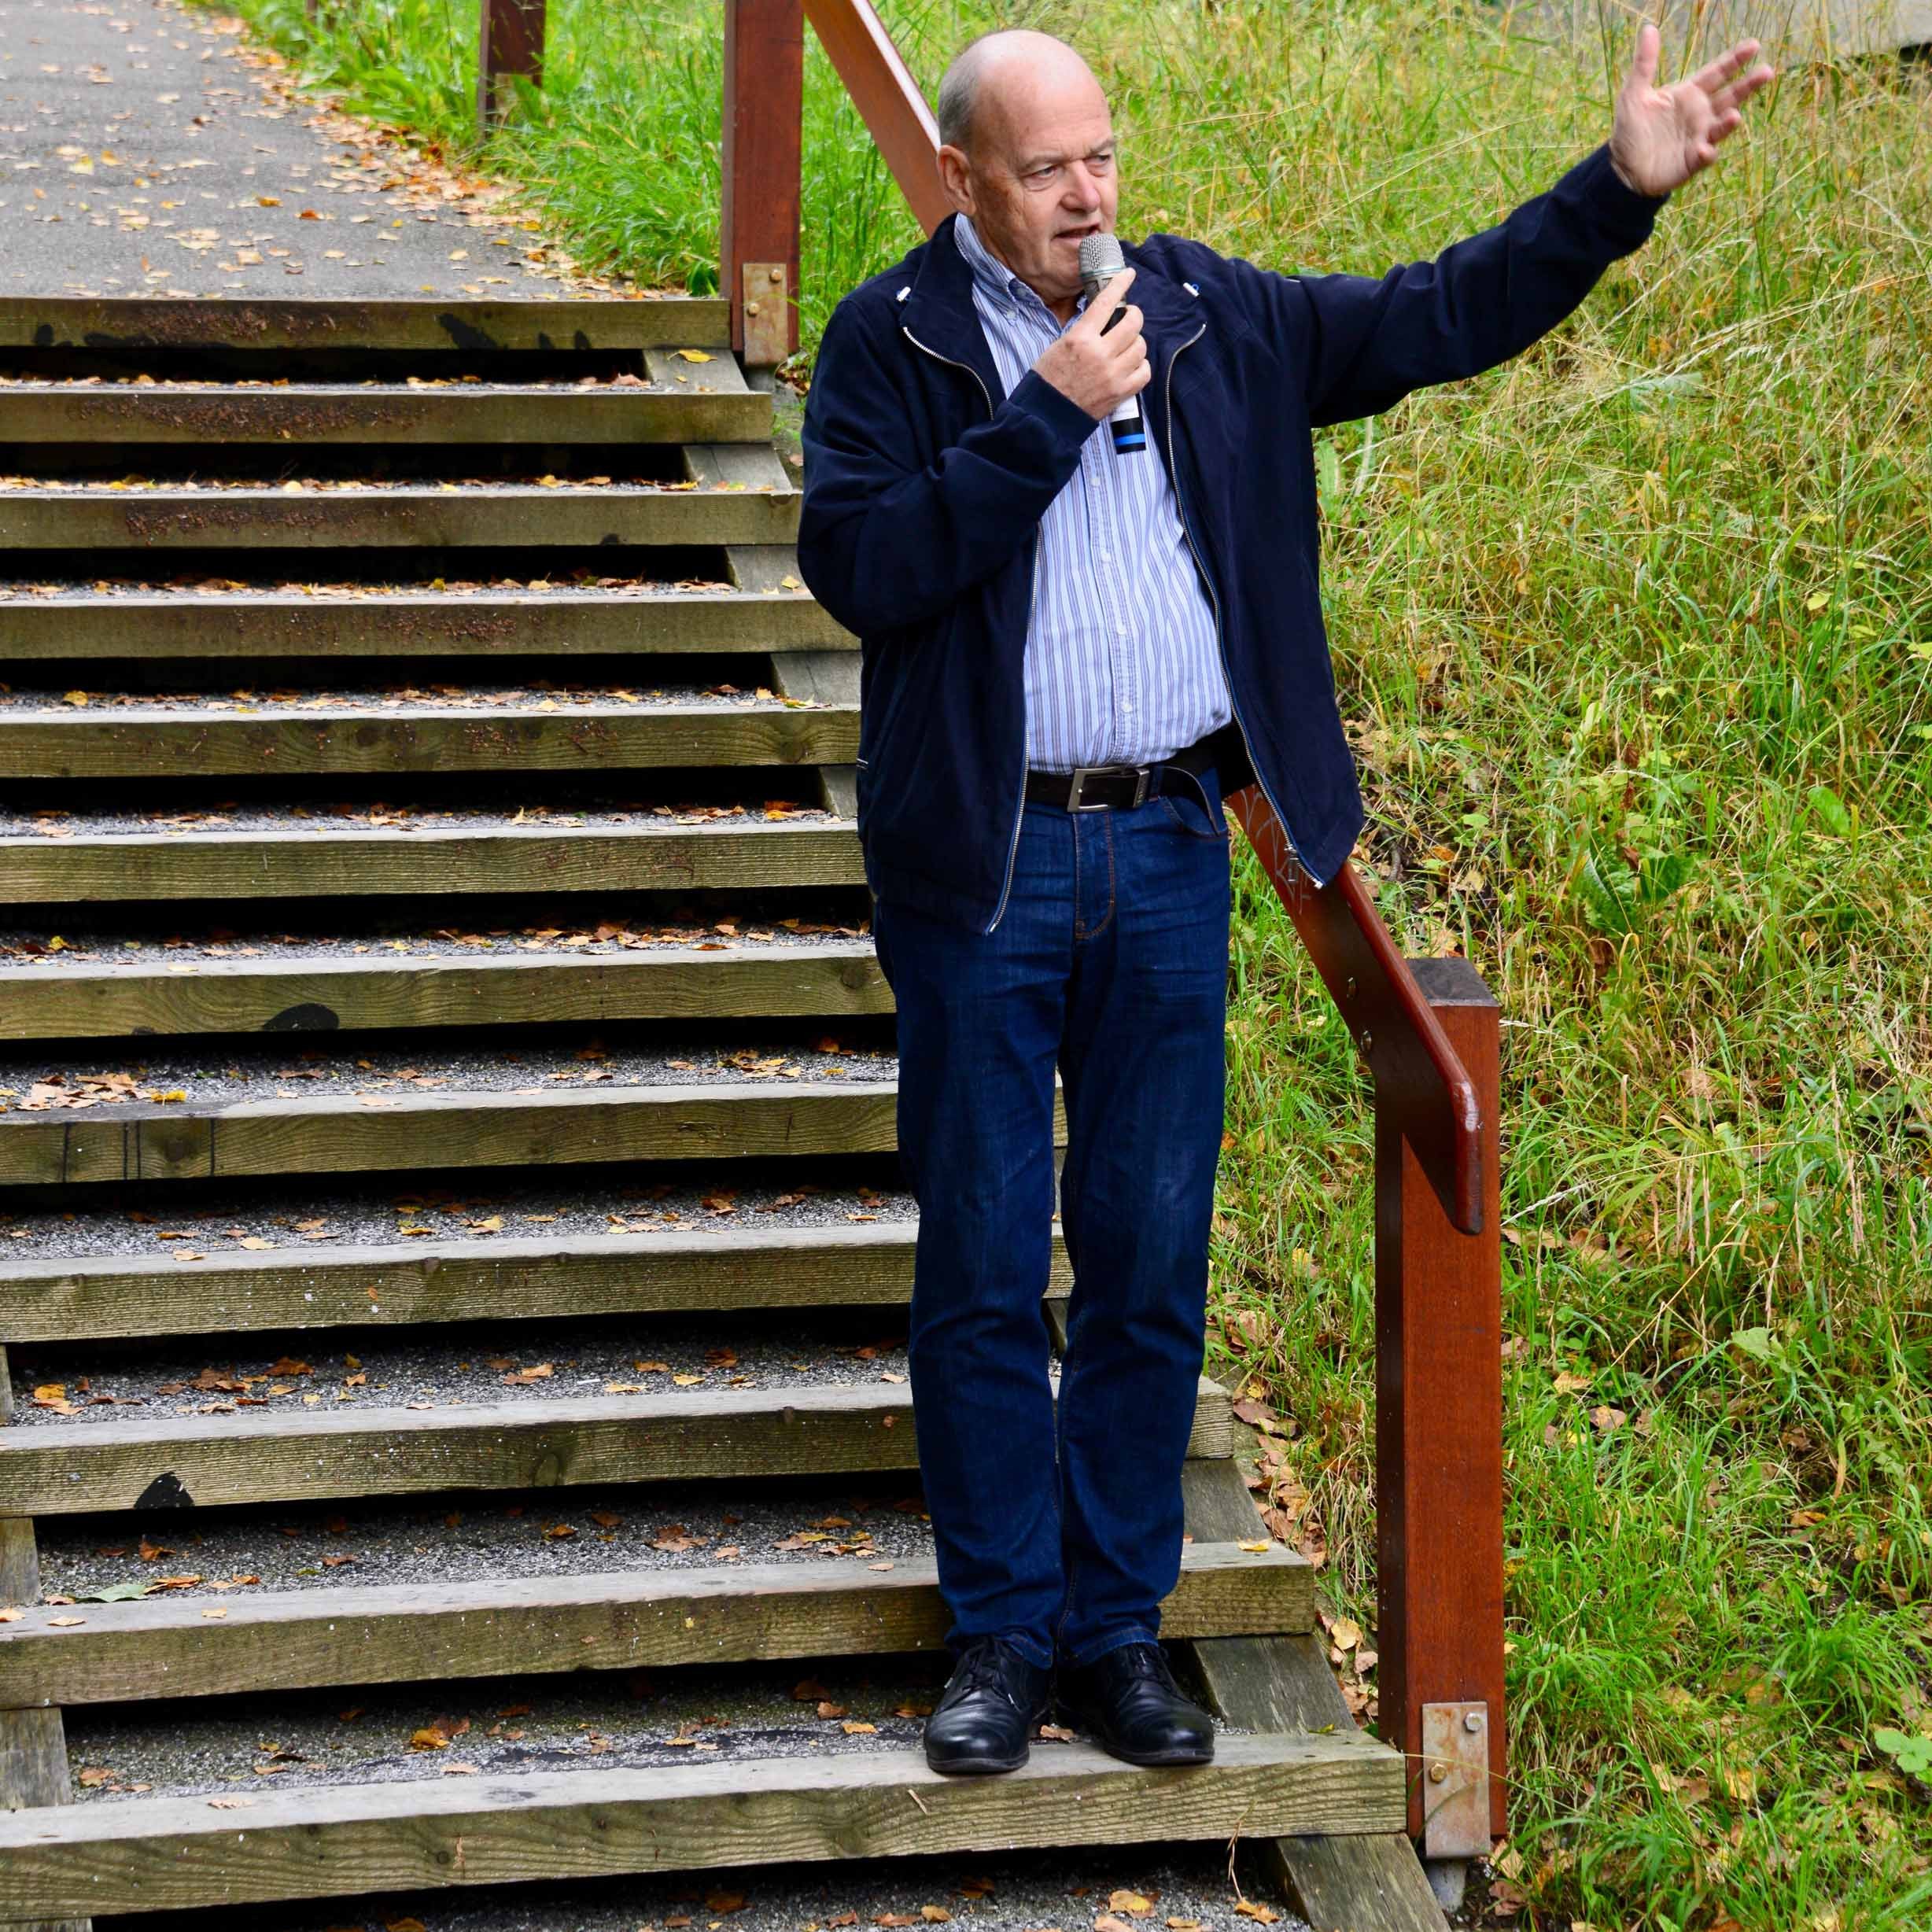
x=1100 y=259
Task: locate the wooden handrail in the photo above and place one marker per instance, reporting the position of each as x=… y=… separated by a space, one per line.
x=888 y=99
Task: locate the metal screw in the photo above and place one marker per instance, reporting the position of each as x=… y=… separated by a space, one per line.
x=1437 y=1773
x=1472 y=1720
x=1348 y=987
x=1368 y=1042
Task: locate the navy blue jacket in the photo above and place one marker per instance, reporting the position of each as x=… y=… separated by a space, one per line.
x=925 y=484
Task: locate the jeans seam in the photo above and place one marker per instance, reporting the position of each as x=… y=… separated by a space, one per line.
x=1118 y=1641
x=1107 y=831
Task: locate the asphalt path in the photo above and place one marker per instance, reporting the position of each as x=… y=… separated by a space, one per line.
x=146 y=148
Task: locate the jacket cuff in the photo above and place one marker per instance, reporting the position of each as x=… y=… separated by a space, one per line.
x=1623 y=213
x=1069 y=425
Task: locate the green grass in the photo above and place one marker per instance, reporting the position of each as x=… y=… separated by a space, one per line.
x=1635 y=637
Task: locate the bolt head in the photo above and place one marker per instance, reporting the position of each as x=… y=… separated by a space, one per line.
x=1437 y=1773
x=1472 y=1720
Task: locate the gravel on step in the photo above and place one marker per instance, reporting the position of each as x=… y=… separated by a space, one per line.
x=786 y=790
x=1191 y=1886
x=593 y=1721
x=497 y=1206
x=360 y=1543
x=454 y=1368
x=559 y=941
x=602 y=1062
x=565 y=588
x=406 y=701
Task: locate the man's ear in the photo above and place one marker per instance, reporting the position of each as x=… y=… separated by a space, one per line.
x=955 y=178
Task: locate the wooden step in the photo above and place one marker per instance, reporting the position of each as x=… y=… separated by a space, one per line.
x=186 y=739
x=335 y=1133
x=166 y=516
x=60 y=998
x=59 y=1468
x=299 y=859
x=384 y=623
x=167 y=1646
x=442 y=1279
x=121 y=322
x=151 y=1853
x=304 y=415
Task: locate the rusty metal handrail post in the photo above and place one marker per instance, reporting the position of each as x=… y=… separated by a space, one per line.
x=1429 y=1032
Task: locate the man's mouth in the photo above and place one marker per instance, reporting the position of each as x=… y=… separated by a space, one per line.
x=1079 y=233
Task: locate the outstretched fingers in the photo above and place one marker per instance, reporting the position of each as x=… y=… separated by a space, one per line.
x=1715 y=78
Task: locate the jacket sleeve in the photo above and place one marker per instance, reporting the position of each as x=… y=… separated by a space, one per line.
x=883 y=542
x=1368 y=343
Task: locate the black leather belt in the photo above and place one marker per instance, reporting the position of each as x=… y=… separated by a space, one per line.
x=1095 y=787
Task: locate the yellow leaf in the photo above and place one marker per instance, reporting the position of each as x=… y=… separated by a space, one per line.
x=694 y=355
x=1257 y=1547
x=1134 y=1904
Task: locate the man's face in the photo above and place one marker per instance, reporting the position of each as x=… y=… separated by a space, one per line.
x=1039 y=174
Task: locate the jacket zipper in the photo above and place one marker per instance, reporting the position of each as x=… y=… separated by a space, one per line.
x=1214 y=597
x=1020 y=806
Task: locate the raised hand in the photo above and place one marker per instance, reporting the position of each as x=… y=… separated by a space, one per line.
x=1662 y=136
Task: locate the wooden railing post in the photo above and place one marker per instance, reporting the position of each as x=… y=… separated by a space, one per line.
x=1438 y=1456
x=512 y=43
x=758 y=233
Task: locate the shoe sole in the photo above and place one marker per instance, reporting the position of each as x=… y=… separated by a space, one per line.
x=1155 y=1760
x=974 y=1767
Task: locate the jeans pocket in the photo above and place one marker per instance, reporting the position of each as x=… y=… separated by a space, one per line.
x=1192 y=811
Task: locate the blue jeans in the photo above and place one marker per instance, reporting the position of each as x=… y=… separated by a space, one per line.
x=1110 y=964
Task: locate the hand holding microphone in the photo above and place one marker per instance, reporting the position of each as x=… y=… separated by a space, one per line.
x=1100 y=363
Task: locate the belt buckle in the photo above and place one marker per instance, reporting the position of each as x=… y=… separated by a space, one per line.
x=1080 y=774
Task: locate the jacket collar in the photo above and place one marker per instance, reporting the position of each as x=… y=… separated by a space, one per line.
x=936 y=307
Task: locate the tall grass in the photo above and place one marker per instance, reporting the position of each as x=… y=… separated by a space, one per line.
x=1634 y=637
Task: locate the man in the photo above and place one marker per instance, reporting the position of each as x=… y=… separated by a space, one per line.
x=1073 y=650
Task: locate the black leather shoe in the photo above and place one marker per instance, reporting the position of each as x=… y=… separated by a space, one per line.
x=988 y=1711
x=1128 y=1701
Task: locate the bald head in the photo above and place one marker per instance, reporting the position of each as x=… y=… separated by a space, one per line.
x=1010 y=63
x=1027 y=154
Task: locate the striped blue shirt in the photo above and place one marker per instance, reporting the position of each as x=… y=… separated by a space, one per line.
x=1123 y=664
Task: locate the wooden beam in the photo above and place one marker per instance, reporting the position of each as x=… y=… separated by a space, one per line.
x=111 y=322
x=342 y=414
x=758 y=232
x=483 y=626
x=170 y=1462
x=185 y=739
x=154 y=1853
x=1439 y=1416
x=117 y=998
x=888 y=99
x=338 y=1134
x=511 y=42
x=165 y=1645
x=471 y=1278
x=488 y=516
x=125 y=867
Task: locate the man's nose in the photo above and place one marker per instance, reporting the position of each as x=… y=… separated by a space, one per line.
x=1083 y=193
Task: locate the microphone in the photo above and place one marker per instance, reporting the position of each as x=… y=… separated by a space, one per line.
x=1100 y=261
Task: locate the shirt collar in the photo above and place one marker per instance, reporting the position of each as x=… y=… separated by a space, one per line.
x=993 y=276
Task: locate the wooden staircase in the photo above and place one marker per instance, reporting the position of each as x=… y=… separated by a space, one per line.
x=438 y=1013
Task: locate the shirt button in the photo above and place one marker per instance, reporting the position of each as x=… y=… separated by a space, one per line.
x=1120 y=630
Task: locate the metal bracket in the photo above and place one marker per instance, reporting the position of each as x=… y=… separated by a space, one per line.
x=767 y=301
x=1455 y=1775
